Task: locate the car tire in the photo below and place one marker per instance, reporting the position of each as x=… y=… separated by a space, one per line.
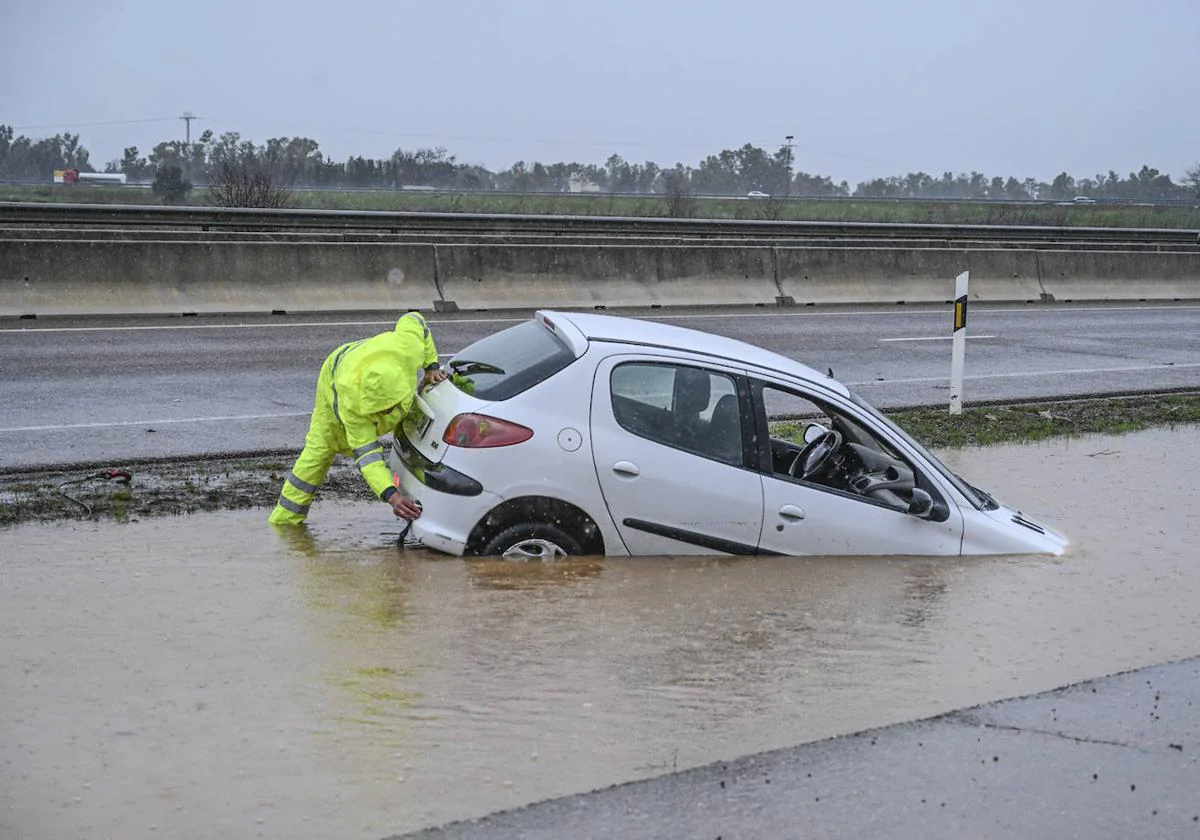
x=532 y=541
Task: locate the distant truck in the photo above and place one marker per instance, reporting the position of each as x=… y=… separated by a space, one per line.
x=74 y=176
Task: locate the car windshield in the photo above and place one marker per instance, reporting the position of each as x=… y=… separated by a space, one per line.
x=508 y=362
x=975 y=496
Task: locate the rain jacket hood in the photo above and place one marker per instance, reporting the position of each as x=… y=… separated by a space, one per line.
x=381 y=373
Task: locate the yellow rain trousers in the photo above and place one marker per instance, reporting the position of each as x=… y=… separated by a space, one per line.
x=363 y=391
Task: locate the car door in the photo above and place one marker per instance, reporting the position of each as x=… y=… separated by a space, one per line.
x=671 y=447
x=827 y=516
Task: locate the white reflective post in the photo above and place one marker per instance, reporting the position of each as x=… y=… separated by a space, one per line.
x=959 y=351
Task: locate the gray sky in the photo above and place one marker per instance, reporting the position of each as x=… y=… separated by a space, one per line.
x=869 y=88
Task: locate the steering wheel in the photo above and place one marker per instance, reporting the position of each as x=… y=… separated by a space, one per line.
x=814 y=457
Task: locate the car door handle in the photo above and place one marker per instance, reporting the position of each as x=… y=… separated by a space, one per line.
x=627 y=468
x=793 y=512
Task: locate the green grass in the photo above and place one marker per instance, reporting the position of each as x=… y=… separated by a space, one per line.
x=840 y=210
x=987 y=425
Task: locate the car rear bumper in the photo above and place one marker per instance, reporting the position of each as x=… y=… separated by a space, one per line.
x=446 y=519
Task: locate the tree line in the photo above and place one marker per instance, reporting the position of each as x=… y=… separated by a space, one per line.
x=297 y=162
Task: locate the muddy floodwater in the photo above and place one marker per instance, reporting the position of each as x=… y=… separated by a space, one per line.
x=203 y=676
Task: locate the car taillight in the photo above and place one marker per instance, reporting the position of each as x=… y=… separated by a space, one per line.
x=479 y=431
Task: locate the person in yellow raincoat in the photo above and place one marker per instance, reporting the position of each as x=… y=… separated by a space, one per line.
x=363 y=391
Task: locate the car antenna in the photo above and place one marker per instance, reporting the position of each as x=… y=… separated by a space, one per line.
x=830 y=373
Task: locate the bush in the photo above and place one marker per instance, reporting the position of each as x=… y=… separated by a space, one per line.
x=170 y=185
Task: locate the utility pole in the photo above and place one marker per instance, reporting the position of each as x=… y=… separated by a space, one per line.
x=787 y=189
x=187 y=117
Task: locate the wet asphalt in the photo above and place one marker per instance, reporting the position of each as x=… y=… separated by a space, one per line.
x=1117 y=757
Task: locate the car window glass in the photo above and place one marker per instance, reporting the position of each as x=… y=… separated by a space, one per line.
x=841 y=451
x=506 y=363
x=682 y=407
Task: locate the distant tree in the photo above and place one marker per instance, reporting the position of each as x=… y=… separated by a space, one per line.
x=1150 y=183
x=170 y=185
x=247 y=183
x=1192 y=179
x=422 y=167
x=28 y=159
x=817 y=186
x=1063 y=186
x=297 y=160
x=677 y=191
x=136 y=168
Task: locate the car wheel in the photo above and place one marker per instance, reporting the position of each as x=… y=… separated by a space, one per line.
x=532 y=541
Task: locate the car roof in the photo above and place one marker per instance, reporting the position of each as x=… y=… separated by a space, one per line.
x=651 y=333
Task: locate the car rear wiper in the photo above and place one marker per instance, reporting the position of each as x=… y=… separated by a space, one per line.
x=466 y=367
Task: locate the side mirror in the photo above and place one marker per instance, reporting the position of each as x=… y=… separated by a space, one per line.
x=921 y=504
x=813 y=431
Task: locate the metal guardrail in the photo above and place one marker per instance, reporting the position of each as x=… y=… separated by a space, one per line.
x=134 y=217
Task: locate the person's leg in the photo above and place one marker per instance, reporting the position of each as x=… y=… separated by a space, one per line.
x=306 y=476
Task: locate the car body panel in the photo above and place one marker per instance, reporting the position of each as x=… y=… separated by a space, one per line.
x=641 y=479
x=646 y=494
x=802 y=519
x=1008 y=531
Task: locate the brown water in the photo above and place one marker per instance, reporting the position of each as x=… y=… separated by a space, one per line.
x=203 y=676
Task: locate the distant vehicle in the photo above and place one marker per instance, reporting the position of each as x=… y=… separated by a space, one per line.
x=757 y=194
x=74 y=176
x=1083 y=199
x=576 y=434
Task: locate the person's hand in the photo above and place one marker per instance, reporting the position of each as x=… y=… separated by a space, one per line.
x=432 y=377
x=404 y=507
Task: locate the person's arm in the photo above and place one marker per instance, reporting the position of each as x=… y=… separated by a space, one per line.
x=433 y=368
x=363 y=438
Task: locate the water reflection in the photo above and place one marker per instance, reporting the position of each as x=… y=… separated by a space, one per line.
x=326 y=682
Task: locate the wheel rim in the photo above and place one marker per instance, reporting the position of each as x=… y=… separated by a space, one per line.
x=534 y=549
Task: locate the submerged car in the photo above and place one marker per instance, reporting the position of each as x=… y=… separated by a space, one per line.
x=586 y=434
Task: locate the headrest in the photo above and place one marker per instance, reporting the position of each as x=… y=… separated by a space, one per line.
x=692 y=390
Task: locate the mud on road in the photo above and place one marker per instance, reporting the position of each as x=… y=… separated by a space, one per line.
x=158 y=488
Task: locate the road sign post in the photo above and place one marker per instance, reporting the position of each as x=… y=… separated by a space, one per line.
x=959 y=350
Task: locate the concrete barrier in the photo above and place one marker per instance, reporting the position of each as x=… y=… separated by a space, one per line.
x=907 y=275
x=499 y=276
x=90 y=277
x=45 y=277
x=1095 y=276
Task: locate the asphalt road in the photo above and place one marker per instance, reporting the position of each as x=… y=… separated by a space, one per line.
x=95 y=390
x=1110 y=758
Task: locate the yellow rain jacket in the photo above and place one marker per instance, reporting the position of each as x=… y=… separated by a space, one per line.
x=363 y=391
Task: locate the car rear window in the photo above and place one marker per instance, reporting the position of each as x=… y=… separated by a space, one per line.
x=511 y=361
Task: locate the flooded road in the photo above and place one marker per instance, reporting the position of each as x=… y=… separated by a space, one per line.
x=205 y=676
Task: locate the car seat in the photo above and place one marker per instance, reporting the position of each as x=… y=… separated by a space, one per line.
x=689 y=397
x=725 y=430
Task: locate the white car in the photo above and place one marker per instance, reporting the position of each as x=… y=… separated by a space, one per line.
x=757 y=194
x=573 y=434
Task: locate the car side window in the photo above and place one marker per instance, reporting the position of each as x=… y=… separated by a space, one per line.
x=790 y=415
x=682 y=407
x=827 y=446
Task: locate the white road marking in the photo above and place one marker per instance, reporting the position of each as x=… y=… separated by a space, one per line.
x=938 y=338
x=657 y=315
x=1028 y=373
x=117 y=423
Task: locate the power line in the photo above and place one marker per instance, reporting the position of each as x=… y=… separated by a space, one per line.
x=91 y=124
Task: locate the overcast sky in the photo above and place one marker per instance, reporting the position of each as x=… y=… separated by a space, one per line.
x=868 y=88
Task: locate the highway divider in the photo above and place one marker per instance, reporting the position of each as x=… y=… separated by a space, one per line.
x=71 y=276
